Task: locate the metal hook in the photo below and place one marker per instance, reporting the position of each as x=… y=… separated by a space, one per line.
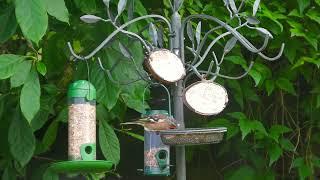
x=166 y=89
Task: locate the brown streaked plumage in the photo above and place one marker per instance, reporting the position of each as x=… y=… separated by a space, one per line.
x=156 y=122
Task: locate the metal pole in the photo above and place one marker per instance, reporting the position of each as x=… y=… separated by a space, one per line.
x=177 y=98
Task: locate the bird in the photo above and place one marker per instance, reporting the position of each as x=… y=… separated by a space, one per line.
x=155 y=122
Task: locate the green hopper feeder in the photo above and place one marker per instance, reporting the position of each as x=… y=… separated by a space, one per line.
x=81 y=133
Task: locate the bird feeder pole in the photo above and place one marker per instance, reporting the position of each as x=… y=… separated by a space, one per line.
x=177 y=95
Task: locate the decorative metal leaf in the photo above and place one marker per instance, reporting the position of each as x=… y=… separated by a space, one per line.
x=252 y=20
x=130 y=10
x=121 y=6
x=198 y=33
x=226 y=2
x=125 y=51
x=90 y=19
x=160 y=37
x=106 y=2
x=177 y=4
x=190 y=33
x=230 y=45
x=255 y=7
x=153 y=33
x=264 y=31
x=233 y=6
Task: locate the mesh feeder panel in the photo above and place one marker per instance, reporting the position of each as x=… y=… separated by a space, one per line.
x=82 y=121
x=156 y=155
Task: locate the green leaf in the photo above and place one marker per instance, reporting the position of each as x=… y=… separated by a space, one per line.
x=303 y=169
x=21 y=140
x=107 y=92
x=22 y=71
x=86 y=6
x=30 y=96
x=258 y=126
x=50 y=175
x=270 y=86
x=232 y=128
x=8 y=24
x=58 y=9
x=286 y=85
x=236 y=92
x=245 y=127
x=277 y=130
x=8 y=64
x=237 y=60
x=109 y=142
x=286 y=144
x=314 y=14
x=50 y=136
x=256 y=76
x=318 y=2
x=237 y=115
x=32 y=18
x=244 y=172
x=274 y=153
x=42 y=68
x=303 y=4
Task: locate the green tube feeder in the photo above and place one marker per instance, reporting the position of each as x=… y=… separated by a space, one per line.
x=81 y=132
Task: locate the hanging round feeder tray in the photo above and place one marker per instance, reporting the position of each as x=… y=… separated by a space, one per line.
x=81 y=166
x=165 y=66
x=192 y=136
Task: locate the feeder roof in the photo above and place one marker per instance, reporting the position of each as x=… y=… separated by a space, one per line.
x=82 y=89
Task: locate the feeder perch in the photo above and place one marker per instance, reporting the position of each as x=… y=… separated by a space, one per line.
x=81 y=132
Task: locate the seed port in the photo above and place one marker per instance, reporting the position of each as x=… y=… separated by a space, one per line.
x=88 y=149
x=162 y=154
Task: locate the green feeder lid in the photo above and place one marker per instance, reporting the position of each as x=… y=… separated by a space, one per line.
x=82 y=89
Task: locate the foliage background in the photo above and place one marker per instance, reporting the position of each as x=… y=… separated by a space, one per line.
x=272 y=120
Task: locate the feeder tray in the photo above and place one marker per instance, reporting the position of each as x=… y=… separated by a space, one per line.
x=81 y=166
x=192 y=136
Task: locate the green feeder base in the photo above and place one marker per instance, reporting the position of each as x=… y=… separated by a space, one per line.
x=81 y=166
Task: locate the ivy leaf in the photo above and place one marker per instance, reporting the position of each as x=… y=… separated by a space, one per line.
x=286 y=144
x=8 y=24
x=8 y=65
x=109 y=142
x=198 y=33
x=58 y=10
x=32 y=18
x=285 y=85
x=153 y=34
x=277 y=130
x=30 y=94
x=121 y=6
x=42 y=68
x=274 y=153
x=232 y=128
x=303 y=4
x=255 y=7
x=90 y=19
x=20 y=77
x=21 y=140
x=245 y=127
x=270 y=86
x=256 y=76
x=314 y=14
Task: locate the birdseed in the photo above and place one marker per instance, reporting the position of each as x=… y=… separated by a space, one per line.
x=81 y=128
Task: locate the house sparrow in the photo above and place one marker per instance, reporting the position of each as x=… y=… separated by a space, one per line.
x=156 y=122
